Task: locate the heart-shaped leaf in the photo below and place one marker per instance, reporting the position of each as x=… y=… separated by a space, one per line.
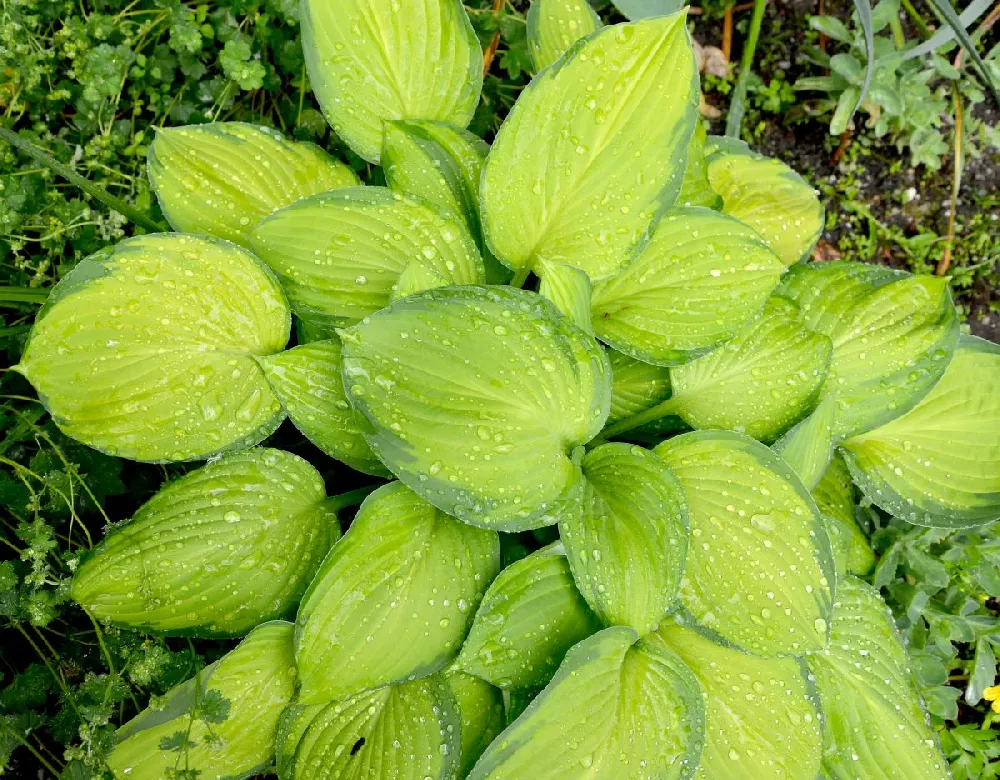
x=695 y=189
x=569 y=289
x=403 y=584
x=617 y=114
x=477 y=398
x=615 y=708
x=628 y=545
x=146 y=350
x=480 y=707
x=222 y=178
x=555 y=25
x=370 y=62
x=760 y=572
x=835 y=498
x=701 y=278
x=808 y=446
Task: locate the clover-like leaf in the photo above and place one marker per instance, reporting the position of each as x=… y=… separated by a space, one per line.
x=615 y=708
x=700 y=279
x=808 y=446
x=146 y=350
x=874 y=726
x=477 y=398
x=628 y=545
x=370 y=61
x=403 y=584
x=835 y=499
x=696 y=189
x=616 y=115
x=555 y=25
x=760 y=572
x=222 y=178
x=480 y=707
x=569 y=289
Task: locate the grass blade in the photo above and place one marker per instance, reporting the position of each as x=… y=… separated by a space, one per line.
x=864 y=9
x=973 y=11
x=23 y=295
x=946 y=12
x=737 y=104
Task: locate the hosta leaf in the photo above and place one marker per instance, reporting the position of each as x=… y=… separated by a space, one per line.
x=531 y=615
x=637 y=386
x=308 y=382
x=695 y=189
x=615 y=708
x=215 y=552
x=569 y=289
x=939 y=464
x=403 y=570
x=628 y=545
x=146 y=350
x=770 y=197
x=835 y=498
x=480 y=707
x=370 y=61
x=340 y=254
x=555 y=25
x=874 y=726
x=642 y=9
x=477 y=398
x=808 y=446
x=761 y=720
x=222 y=178
x=292 y=724
x=696 y=284
x=760 y=382
x=257 y=679
x=616 y=115
x=759 y=568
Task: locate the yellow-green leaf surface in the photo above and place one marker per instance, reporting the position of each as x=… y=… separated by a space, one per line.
x=222 y=178
x=146 y=349
x=569 y=289
x=308 y=382
x=531 y=615
x=695 y=189
x=257 y=678
x=939 y=464
x=808 y=446
x=340 y=254
x=593 y=150
x=701 y=278
x=761 y=720
x=874 y=727
x=394 y=599
x=835 y=498
x=760 y=572
x=292 y=724
x=628 y=545
x=215 y=552
x=480 y=707
x=637 y=386
x=616 y=708
x=555 y=25
x=477 y=398
x=372 y=61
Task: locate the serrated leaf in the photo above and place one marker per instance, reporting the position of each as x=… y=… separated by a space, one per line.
x=835 y=498
x=371 y=61
x=146 y=349
x=480 y=707
x=530 y=616
x=614 y=153
x=696 y=189
x=637 y=386
x=555 y=25
x=628 y=545
x=569 y=289
x=759 y=570
x=477 y=398
x=808 y=446
x=697 y=283
x=615 y=708
x=222 y=178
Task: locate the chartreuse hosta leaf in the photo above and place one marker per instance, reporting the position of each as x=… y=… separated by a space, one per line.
x=340 y=254
x=637 y=386
x=555 y=25
x=215 y=552
x=257 y=678
x=308 y=382
x=146 y=350
x=873 y=724
x=569 y=289
x=222 y=178
x=939 y=464
x=835 y=498
x=761 y=720
x=478 y=398
x=697 y=283
x=616 y=708
x=695 y=189
x=808 y=446
x=371 y=61
x=480 y=706
x=531 y=615
x=616 y=115
x=759 y=569
x=628 y=545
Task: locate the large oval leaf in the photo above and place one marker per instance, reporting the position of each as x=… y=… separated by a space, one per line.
x=628 y=545
x=369 y=61
x=480 y=707
x=939 y=464
x=146 y=350
x=874 y=726
x=835 y=498
x=760 y=572
x=477 y=398
x=393 y=599
x=555 y=25
x=615 y=708
x=616 y=116
x=222 y=178
x=697 y=283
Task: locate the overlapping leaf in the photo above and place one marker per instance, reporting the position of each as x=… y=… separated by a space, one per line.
x=555 y=25
x=835 y=498
x=637 y=386
x=696 y=189
x=569 y=289
x=480 y=707
x=808 y=446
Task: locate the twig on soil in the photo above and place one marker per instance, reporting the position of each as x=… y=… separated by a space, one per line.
x=727 y=33
x=956 y=185
x=491 y=50
x=845 y=142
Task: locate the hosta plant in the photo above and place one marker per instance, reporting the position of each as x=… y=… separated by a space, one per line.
x=596 y=339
